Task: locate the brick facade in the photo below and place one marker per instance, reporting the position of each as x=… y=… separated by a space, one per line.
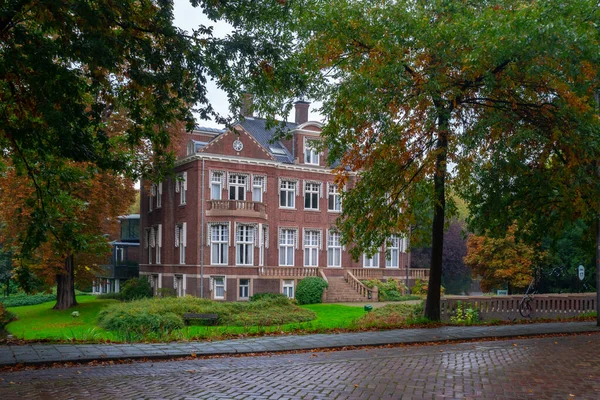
x=167 y=223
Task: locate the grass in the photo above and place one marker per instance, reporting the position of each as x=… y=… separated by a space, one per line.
x=41 y=322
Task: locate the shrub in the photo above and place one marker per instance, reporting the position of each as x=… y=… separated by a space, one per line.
x=113 y=296
x=465 y=316
x=391 y=290
x=167 y=292
x=268 y=296
x=421 y=288
x=5 y=317
x=27 y=299
x=310 y=290
x=158 y=316
x=136 y=288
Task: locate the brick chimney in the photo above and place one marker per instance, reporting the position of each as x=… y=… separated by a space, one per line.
x=247 y=109
x=301 y=111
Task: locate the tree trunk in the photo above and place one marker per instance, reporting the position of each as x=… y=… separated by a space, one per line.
x=65 y=286
x=432 y=305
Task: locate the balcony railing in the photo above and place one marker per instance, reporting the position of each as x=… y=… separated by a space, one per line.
x=237 y=207
x=400 y=273
x=288 y=271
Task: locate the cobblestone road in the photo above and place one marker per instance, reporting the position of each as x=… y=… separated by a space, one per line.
x=548 y=368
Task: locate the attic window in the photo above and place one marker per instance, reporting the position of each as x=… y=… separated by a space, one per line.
x=276 y=150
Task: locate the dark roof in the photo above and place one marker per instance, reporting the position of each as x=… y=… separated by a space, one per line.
x=209 y=130
x=257 y=128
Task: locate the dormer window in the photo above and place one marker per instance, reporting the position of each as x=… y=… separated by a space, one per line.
x=311 y=155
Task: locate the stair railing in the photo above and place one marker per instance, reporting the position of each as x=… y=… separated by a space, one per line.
x=360 y=288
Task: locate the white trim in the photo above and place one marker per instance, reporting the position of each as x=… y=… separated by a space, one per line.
x=254 y=161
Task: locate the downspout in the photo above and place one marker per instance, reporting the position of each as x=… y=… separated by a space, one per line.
x=202 y=201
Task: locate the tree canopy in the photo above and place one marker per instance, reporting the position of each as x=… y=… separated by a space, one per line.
x=502 y=90
x=91 y=90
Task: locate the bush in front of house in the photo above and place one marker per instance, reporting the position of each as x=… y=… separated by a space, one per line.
x=269 y=296
x=19 y=300
x=310 y=290
x=136 y=288
x=390 y=290
x=157 y=316
x=5 y=317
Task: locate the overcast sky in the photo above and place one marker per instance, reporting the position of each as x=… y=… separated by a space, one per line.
x=188 y=18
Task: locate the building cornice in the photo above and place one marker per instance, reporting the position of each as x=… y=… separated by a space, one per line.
x=254 y=161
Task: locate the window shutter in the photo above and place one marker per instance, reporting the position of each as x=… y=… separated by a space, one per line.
x=255 y=233
x=280 y=238
x=159 y=235
x=279 y=191
x=266 y=236
x=296 y=239
x=320 y=239
x=184 y=181
x=177 y=238
x=160 y=187
x=303 y=239
x=184 y=235
x=153 y=189
x=177 y=185
x=146 y=238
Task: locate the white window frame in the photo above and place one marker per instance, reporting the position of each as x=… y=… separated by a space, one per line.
x=245 y=288
x=288 y=288
x=258 y=184
x=244 y=240
x=312 y=192
x=333 y=192
x=334 y=247
x=287 y=193
x=311 y=155
x=219 y=241
x=216 y=286
x=312 y=239
x=393 y=251
x=148 y=243
x=237 y=181
x=216 y=185
x=181 y=240
x=372 y=262
x=287 y=240
x=158 y=247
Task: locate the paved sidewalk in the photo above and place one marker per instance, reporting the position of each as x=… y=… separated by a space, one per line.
x=37 y=354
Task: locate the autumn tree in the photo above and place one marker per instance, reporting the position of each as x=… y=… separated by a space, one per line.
x=410 y=86
x=502 y=262
x=81 y=199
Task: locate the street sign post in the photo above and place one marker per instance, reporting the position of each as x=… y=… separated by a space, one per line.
x=581 y=272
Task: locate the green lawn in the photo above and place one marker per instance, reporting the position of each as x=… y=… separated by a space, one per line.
x=42 y=322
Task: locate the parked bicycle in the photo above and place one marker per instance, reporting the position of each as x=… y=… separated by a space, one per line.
x=525 y=303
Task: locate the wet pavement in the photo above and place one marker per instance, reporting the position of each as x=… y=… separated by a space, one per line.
x=566 y=367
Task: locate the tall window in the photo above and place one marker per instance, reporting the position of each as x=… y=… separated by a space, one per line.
x=311 y=155
x=393 y=252
x=219 y=287
x=258 y=183
x=216 y=186
x=311 y=195
x=158 y=242
x=287 y=194
x=181 y=187
x=288 y=288
x=244 y=243
x=159 y=189
x=334 y=201
x=334 y=250
x=180 y=241
x=151 y=199
x=237 y=187
x=311 y=248
x=244 y=289
x=219 y=235
x=371 y=262
x=287 y=242
x=149 y=241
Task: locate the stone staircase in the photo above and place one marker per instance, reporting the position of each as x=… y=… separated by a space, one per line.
x=339 y=291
